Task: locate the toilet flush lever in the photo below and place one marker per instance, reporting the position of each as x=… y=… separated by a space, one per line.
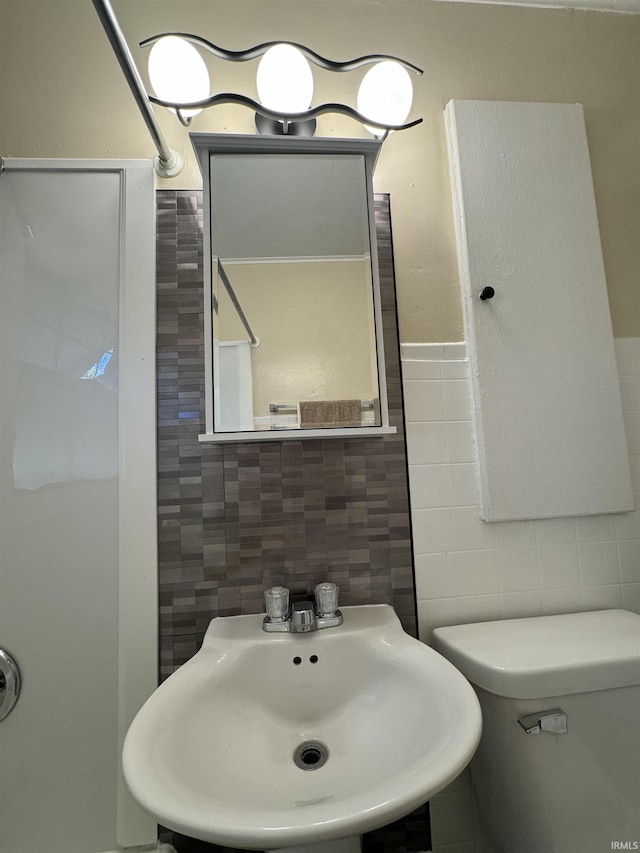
x=554 y=721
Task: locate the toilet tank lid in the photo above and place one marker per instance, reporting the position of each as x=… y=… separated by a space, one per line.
x=547 y=655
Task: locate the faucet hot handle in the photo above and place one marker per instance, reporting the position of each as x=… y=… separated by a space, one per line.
x=276 y=602
x=326 y=599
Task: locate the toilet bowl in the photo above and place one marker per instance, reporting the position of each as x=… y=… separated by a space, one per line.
x=558 y=766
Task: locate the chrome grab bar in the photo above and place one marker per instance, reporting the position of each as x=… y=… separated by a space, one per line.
x=10 y=683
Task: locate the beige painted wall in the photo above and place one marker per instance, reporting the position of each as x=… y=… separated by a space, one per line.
x=62 y=95
x=315 y=325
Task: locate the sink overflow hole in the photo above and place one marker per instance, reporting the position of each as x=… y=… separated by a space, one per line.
x=311 y=755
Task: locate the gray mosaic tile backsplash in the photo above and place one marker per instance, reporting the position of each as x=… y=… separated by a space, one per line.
x=235 y=519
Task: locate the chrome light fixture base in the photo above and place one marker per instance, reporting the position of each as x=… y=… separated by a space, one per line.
x=273 y=127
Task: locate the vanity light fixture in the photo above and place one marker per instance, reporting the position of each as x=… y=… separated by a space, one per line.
x=180 y=80
x=284 y=84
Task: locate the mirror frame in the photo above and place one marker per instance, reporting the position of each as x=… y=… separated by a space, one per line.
x=206 y=144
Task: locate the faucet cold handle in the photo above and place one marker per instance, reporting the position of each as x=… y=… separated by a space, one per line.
x=277 y=603
x=326 y=599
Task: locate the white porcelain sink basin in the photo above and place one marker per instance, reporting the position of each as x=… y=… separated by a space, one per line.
x=211 y=753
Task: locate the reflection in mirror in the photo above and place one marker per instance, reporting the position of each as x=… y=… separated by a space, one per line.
x=295 y=341
x=318 y=346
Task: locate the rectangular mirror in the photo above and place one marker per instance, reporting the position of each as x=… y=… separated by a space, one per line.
x=293 y=325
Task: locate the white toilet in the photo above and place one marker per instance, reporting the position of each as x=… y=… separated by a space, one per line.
x=558 y=766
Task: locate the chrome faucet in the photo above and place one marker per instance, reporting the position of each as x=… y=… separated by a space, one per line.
x=303 y=616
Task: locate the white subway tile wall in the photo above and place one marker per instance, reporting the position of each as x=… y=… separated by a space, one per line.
x=471 y=571
x=468 y=570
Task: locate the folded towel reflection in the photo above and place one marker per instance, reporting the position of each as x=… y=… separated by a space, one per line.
x=330 y=413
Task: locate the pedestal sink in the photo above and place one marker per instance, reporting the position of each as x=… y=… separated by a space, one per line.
x=265 y=741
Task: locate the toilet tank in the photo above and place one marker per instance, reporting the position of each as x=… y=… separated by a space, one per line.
x=544 y=792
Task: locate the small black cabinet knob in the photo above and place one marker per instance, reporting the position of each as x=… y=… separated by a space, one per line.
x=487 y=293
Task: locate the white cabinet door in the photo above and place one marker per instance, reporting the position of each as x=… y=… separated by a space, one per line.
x=549 y=428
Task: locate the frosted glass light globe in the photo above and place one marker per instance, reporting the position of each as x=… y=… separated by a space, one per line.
x=178 y=73
x=284 y=80
x=385 y=94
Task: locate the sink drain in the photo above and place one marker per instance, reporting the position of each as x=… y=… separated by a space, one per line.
x=311 y=755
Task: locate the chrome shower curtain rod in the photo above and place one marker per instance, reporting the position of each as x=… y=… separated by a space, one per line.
x=255 y=342
x=168 y=163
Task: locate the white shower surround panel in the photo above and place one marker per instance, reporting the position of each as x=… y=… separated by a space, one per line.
x=77 y=508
